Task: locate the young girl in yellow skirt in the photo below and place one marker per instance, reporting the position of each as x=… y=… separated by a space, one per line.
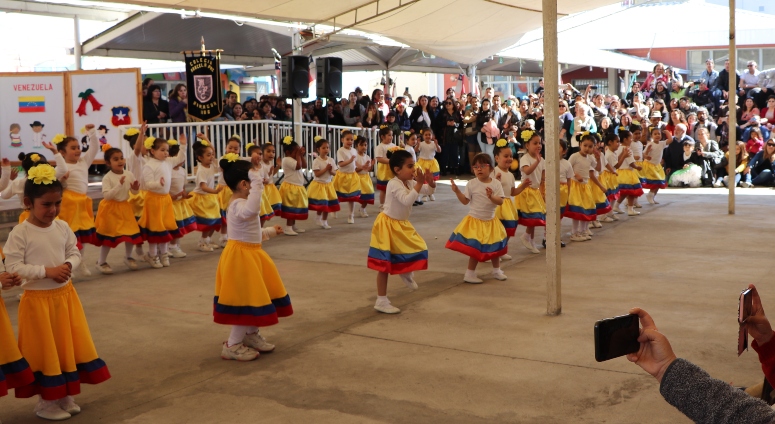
x=507 y=211
x=269 y=167
x=295 y=205
x=384 y=173
x=249 y=292
x=480 y=235
x=612 y=161
x=135 y=162
x=184 y=216
x=637 y=153
x=602 y=205
x=531 y=209
x=395 y=246
x=427 y=151
x=115 y=221
x=320 y=192
x=566 y=176
x=364 y=165
x=204 y=198
x=581 y=205
x=54 y=336
x=653 y=175
x=347 y=183
x=14 y=369
x=233 y=145
x=77 y=208
x=158 y=220
x=16 y=187
x=266 y=212
x=629 y=182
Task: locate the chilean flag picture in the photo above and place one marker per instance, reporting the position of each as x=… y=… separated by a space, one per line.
x=120 y=116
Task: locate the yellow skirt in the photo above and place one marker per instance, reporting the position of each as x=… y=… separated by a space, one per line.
x=347 y=186
x=322 y=197
x=224 y=197
x=14 y=369
x=507 y=214
x=137 y=201
x=581 y=206
x=384 y=174
x=116 y=224
x=640 y=164
x=652 y=176
x=78 y=211
x=610 y=181
x=24 y=215
x=478 y=239
x=184 y=218
x=54 y=338
x=207 y=211
x=602 y=205
x=629 y=183
x=531 y=209
x=158 y=219
x=395 y=247
x=248 y=287
x=564 y=190
x=295 y=204
x=273 y=196
x=367 y=189
x=430 y=164
x=266 y=212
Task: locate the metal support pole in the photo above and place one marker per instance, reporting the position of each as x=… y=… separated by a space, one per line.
x=77 y=46
x=613 y=81
x=732 y=115
x=472 y=79
x=552 y=167
x=297 y=114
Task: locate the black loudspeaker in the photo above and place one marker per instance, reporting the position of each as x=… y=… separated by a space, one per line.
x=329 y=78
x=295 y=77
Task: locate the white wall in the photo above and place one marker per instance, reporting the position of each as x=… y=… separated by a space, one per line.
x=418 y=82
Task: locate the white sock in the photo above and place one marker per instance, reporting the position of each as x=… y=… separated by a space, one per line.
x=585 y=226
x=128 y=249
x=104 y=250
x=237 y=334
x=139 y=250
x=496 y=270
x=381 y=299
x=153 y=249
x=163 y=248
x=351 y=205
x=207 y=240
x=324 y=222
x=471 y=272
x=288 y=228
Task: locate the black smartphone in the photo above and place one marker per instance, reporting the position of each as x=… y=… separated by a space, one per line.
x=615 y=337
x=743 y=312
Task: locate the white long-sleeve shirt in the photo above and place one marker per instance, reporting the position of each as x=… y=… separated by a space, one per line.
x=112 y=189
x=78 y=180
x=243 y=215
x=399 y=198
x=16 y=188
x=5 y=179
x=154 y=170
x=31 y=249
x=135 y=164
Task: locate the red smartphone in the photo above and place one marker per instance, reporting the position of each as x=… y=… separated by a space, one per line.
x=743 y=312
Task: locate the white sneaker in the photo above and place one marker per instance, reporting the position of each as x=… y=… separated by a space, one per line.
x=147 y=258
x=433 y=198
x=363 y=213
x=506 y=257
x=214 y=245
x=525 y=239
x=632 y=212
x=650 y=198
x=319 y=221
x=257 y=342
x=105 y=268
x=606 y=219
x=68 y=405
x=577 y=237
x=165 y=259
x=156 y=262
x=616 y=208
x=386 y=308
x=50 y=410
x=204 y=247
x=222 y=242
x=471 y=278
x=409 y=281
x=325 y=226
x=745 y=184
x=499 y=275
x=238 y=352
x=298 y=230
x=131 y=263
x=176 y=252
x=350 y=220
x=289 y=232
x=83 y=269
x=587 y=237
x=614 y=217
x=718 y=183
x=637 y=205
x=596 y=224
x=587 y=232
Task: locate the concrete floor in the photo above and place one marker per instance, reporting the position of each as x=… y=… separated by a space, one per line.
x=458 y=353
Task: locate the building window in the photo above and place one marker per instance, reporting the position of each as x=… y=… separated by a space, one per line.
x=765 y=59
x=761 y=8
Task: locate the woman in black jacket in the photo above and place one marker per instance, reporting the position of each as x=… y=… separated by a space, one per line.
x=421 y=116
x=155 y=109
x=452 y=146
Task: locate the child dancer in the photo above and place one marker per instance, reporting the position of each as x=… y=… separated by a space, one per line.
x=249 y=292
x=395 y=246
x=77 y=208
x=54 y=336
x=612 y=161
x=233 y=145
x=184 y=216
x=271 y=193
x=653 y=174
x=506 y=212
x=347 y=182
x=135 y=163
x=530 y=205
x=363 y=166
x=116 y=221
x=410 y=139
x=384 y=173
x=266 y=212
x=602 y=205
x=428 y=149
x=629 y=182
x=581 y=205
x=158 y=219
x=295 y=205
x=480 y=236
x=637 y=154
x=566 y=175
x=14 y=369
x=204 y=198
x=321 y=194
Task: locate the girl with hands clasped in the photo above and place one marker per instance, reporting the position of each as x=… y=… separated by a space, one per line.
x=295 y=204
x=531 y=208
x=204 y=200
x=507 y=211
x=596 y=162
x=395 y=246
x=268 y=165
x=321 y=193
x=347 y=183
x=581 y=205
x=256 y=154
x=480 y=235
x=54 y=336
x=364 y=165
x=249 y=292
x=116 y=221
x=628 y=179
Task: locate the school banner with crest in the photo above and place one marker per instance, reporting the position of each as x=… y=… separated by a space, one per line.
x=205 y=93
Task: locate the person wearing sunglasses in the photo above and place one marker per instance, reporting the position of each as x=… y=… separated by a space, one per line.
x=749 y=83
x=762 y=166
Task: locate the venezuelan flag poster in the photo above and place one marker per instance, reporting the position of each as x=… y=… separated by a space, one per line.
x=32 y=111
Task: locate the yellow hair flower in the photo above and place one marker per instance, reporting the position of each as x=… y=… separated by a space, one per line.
x=317 y=138
x=527 y=135
x=635 y=122
x=622 y=128
x=231 y=157
x=395 y=149
x=344 y=131
x=236 y=136
x=288 y=140
x=35 y=158
x=249 y=145
x=42 y=174
x=149 y=142
x=585 y=133
x=132 y=131
x=58 y=138
x=407 y=133
x=204 y=143
x=383 y=126
x=172 y=142
x=502 y=143
x=106 y=147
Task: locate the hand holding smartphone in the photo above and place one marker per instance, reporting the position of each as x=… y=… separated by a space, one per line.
x=744 y=309
x=615 y=337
